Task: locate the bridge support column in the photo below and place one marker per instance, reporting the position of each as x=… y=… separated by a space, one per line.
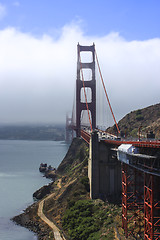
x=104 y=171
x=93 y=166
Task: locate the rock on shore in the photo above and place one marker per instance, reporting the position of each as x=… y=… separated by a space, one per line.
x=31 y=221
x=42 y=192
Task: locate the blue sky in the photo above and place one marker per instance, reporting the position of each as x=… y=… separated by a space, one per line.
x=133 y=19
x=38 y=55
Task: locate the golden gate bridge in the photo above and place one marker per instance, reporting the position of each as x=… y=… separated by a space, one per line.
x=140 y=174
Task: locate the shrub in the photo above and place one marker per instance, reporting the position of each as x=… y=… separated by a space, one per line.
x=139 y=117
x=70 y=203
x=90 y=220
x=79 y=220
x=85 y=182
x=138 y=112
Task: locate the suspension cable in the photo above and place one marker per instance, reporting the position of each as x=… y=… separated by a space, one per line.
x=106 y=93
x=85 y=92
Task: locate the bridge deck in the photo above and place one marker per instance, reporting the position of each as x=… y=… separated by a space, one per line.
x=147 y=144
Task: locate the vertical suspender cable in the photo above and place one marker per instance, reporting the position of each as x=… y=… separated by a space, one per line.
x=85 y=93
x=106 y=93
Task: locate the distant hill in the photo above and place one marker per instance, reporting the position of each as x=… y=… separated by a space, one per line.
x=147 y=119
x=55 y=133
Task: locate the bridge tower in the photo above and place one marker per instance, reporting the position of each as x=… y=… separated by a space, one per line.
x=80 y=106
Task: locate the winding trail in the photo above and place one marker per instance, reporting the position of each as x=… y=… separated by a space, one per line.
x=55 y=229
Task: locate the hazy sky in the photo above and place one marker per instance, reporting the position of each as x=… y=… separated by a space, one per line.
x=38 y=54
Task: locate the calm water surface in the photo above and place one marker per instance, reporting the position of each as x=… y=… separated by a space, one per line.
x=20 y=177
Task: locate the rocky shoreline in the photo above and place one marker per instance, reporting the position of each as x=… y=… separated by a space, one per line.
x=66 y=186
x=29 y=218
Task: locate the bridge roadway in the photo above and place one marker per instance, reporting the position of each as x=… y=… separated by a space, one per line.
x=142 y=162
x=140 y=180
x=143 y=144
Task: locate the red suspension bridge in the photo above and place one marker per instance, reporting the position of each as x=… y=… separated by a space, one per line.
x=140 y=172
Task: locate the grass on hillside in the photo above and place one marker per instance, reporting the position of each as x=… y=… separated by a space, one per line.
x=91 y=220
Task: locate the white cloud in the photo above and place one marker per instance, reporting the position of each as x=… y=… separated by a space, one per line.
x=37 y=76
x=2 y=11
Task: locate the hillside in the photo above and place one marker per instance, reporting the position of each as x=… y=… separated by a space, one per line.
x=147 y=119
x=32 y=132
x=66 y=203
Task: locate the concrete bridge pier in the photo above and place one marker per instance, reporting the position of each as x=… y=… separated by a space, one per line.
x=104 y=170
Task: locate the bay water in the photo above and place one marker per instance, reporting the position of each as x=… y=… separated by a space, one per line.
x=20 y=178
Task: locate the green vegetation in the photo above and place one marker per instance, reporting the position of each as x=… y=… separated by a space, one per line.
x=134 y=132
x=90 y=220
x=79 y=221
x=76 y=158
x=82 y=218
x=85 y=181
x=51 y=236
x=138 y=112
x=139 y=116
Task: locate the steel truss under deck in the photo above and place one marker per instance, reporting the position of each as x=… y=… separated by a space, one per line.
x=151 y=207
x=132 y=201
x=140 y=203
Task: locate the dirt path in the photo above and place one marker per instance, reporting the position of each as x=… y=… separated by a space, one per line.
x=59 y=184
x=55 y=230
x=116 y=234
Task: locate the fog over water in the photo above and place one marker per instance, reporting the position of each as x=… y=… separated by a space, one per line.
x=38 y=75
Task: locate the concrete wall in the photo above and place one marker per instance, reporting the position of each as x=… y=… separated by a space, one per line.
x=104 y=170
x=93 y=166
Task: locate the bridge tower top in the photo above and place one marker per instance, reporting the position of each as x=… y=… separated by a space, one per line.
x=81 y=84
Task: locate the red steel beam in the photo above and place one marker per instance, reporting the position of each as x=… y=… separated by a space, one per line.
x=151 y=207
x=132 y=202
x=148 y=144
x=124 y=199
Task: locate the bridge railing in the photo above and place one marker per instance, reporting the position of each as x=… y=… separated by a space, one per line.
x=112 y=139
x=147 y=144
x=86 y=136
